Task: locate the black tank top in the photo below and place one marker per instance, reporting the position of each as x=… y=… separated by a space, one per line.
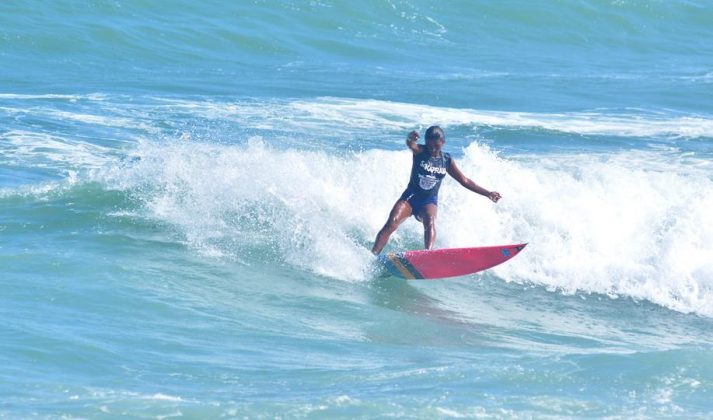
x=427 y=172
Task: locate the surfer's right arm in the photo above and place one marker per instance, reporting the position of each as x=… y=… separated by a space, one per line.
x=411 y=142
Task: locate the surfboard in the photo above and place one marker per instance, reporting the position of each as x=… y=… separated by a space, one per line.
x=449 y=262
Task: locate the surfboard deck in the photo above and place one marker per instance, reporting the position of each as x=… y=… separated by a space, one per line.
x=449 y=262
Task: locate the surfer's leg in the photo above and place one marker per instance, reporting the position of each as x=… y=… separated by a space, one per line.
x=428 y=215
x=400 y=212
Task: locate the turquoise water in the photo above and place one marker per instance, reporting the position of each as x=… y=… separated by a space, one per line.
x=189 y=192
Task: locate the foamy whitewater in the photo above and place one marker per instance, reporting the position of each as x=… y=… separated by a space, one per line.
x=189 y=193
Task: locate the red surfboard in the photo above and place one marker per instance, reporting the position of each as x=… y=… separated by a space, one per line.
x=442 y=263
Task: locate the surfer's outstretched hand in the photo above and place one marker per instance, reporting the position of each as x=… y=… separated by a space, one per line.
x=494 y=196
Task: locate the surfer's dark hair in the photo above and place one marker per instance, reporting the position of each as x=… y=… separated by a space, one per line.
x=435 y=132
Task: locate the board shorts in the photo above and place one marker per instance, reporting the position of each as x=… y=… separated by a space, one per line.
x=418 y=203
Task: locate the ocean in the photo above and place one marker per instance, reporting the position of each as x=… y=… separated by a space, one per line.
x=189 y=192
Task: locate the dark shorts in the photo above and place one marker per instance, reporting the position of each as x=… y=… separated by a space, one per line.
x=418 y=202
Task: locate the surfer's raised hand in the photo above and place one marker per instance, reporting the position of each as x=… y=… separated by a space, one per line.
x=494 y=196
x=412 y=136
x=411 y=142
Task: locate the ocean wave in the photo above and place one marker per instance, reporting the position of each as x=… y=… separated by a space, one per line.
x=154 y=115
x=606 y=224
x=371 y=113
x=36 y=149
x=345 y=114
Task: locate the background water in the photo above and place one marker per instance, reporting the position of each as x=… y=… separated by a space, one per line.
x=188 y=193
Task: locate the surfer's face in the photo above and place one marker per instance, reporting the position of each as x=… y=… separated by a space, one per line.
x=434 y=145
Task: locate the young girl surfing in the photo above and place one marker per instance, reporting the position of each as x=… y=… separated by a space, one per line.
x=430 y=165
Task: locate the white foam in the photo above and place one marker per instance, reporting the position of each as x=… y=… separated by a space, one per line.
x=605 y=224
x=345 y=115
x=164 y=397
x=629 y=224
x=19 y=96
x=37 y=149
x=373 y=113
x=300 y=204
x=64 y=109
x=100 y=120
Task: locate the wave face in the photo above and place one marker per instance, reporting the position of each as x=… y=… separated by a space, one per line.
x=189 y=192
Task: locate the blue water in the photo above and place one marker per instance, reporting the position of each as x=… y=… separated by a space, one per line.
x=189 y=192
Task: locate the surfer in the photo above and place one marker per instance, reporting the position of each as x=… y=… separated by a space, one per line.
x=430 y=165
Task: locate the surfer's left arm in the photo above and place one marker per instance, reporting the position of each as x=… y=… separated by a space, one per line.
x=453 y=171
